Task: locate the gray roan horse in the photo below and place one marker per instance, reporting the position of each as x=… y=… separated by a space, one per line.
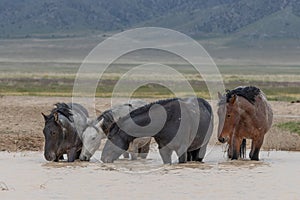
x=244 y=113
x=98 y=129
x=186 y=129
x=62 y=131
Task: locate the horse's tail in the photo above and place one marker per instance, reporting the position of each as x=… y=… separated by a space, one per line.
x=243 y=149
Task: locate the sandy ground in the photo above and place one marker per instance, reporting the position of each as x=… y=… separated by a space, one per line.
x=21 y=122
x=25 y=174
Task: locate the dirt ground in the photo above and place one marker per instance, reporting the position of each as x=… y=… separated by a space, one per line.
x=21 y=122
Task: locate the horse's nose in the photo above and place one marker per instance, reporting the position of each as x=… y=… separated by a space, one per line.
x=83 y=158
x=49 y=156
x=221 y=139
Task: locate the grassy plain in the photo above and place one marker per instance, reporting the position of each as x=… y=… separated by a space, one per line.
x=48 y=67
x=292 y=126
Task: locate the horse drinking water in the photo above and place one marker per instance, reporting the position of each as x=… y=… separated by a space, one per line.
x=244 y=113
x=98 y=128
x=186 y=129
x=62 y=130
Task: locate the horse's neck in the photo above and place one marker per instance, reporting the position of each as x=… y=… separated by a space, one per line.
x=79 y=123
x=253 y=116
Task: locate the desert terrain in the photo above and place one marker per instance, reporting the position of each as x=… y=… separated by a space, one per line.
x=22 y=123
x=25 y=174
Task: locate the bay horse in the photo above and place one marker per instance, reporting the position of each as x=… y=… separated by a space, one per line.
x=244 y=113
x=186 y=130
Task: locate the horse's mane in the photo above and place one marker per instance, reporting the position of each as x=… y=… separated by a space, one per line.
x=146 y=107
x=142 y=109
x=108 y=117
x=63 y=109
x=108 y=120
x=248 y=92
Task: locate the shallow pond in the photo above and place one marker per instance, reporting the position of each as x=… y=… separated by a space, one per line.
x=25 y=175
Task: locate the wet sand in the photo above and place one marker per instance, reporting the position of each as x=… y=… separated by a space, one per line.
x=26 y=175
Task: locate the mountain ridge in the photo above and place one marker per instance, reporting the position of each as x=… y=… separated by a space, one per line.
x=33 y=18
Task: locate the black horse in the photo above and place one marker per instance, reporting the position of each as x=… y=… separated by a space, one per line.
x=62 y=131
x=185 y=126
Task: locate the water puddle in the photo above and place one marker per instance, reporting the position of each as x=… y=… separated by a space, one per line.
x=25 y=175
x=241 y=164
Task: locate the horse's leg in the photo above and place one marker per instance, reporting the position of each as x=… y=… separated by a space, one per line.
x=72 y=154
x=252 y=149
x=166 y=154
x=78 y=154
x=243 y=148
x=183 y=158
x=133 y=151
x=189 y=156
x=255 y=148
x=58 y=158
x=61 y=157
x=201 y=153
x=194 y=155
x=235 y=147
x=126 y=153
x=229 y=150
x=182 y=153
x=144 y=150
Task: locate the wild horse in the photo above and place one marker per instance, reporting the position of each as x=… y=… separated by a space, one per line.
x=62 y=130
x=244 y=113
x=98 y=128
x=180 y=125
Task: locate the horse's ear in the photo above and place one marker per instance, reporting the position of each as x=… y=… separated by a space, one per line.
x=220 y=95
x=56 y=117
x=100 y=123
x=45 y=116
x=233 y=99
x=61 y=120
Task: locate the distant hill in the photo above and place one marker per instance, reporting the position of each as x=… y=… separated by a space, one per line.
x=201 y=18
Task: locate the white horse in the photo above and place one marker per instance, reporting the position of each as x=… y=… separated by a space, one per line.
x=98 y=128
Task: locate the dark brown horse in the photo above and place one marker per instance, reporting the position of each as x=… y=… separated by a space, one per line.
x=244 y=113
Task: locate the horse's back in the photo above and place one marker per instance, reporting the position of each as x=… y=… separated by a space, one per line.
x=122 y=110
x=78 y=108
x=195 y=126
x=265 y=109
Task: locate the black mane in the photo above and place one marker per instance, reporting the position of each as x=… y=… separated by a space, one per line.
x=108 y=120
x=248 y=92
x=63 y=109
x=146 y=107
x=141 y=110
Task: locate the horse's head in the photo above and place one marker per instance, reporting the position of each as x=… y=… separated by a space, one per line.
x=118 y=142
x=228 y=117
x=91 y=139
x=55 y=130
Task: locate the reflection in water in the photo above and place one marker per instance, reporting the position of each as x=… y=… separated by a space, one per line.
x=64 y=164
x=244 y=163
